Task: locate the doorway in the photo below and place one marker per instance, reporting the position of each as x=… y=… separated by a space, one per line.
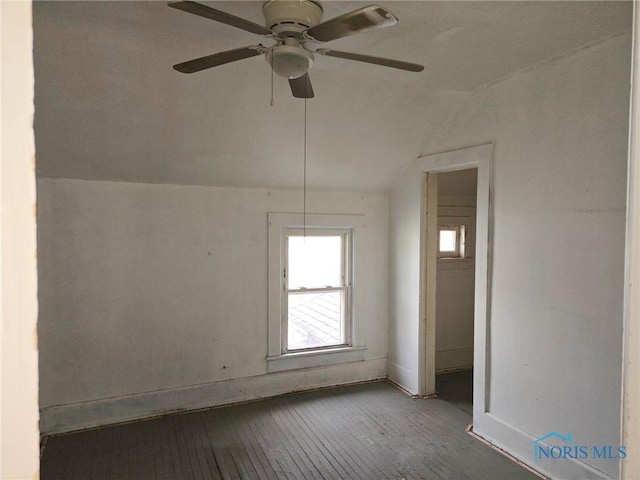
x=455 y=286
x=455 y=245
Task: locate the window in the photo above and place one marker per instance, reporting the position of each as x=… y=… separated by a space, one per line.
x=314 y=291
x=317 y=289
x=451 y=241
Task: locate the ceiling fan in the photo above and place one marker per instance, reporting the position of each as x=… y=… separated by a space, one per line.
x=295 y=26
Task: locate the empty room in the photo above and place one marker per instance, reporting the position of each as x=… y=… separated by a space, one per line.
x=300 y=239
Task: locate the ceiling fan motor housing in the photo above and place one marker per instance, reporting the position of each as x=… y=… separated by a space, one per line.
x=288 y=19
x=295 y=16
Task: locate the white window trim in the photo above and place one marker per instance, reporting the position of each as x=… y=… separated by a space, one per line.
x=277 y=361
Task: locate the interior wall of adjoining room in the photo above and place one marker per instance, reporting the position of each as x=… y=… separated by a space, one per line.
x=455 y=276
x=557 y=252
x=153 y=298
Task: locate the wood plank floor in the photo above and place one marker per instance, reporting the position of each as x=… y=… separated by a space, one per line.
x=457 y=389
x=368 y=431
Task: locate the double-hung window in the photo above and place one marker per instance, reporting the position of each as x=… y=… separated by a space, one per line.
x=317 y=289
x=314 y=292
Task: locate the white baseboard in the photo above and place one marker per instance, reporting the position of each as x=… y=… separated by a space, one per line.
x=454 y=370
x=78 y=416
x=451 y=360
x=403 y=377
x=520 y=445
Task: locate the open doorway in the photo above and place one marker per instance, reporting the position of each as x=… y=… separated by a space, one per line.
x=455 y=286
x=441 y=354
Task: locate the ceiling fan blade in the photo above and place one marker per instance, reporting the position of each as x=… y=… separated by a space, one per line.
x=385 y=62
x=301 y=86
x=373 y=16
x=216 y=59
x=220 y=16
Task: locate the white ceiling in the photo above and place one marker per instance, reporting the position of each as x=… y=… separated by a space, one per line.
x=109 y=106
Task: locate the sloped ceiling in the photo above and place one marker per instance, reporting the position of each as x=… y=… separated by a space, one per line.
x=110 y=107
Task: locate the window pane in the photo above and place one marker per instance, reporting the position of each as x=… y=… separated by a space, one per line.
x=448 y=240
x=315 y=320
x=315 y=261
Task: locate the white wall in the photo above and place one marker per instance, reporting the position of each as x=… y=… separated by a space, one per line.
x=555 y=326
x=154 y=297
x=405 y=209
x=19 y=452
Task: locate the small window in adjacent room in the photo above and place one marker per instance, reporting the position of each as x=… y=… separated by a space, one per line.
x=451 y=241
x=317 y=289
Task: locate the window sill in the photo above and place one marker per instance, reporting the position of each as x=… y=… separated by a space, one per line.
x=314 y=358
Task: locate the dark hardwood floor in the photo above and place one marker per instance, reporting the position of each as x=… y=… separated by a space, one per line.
x=457 y=389
x=367 y=431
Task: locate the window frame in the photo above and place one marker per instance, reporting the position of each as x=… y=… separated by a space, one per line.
x=459 y=252
x=277 y=358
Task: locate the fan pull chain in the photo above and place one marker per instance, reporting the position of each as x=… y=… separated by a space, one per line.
x=271 y=58
x=304 y=186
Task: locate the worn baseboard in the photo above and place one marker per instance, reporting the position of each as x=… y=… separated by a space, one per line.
x=519 y=445
x=470 y=431
x=452 y=360
x=402 y=377
x=454 y=370
x=83 y=415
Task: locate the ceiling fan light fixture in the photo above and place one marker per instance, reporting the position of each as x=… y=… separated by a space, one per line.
x=289 y=61
x=293 y=25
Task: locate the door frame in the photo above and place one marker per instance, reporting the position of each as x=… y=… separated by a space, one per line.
x=480 y=157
